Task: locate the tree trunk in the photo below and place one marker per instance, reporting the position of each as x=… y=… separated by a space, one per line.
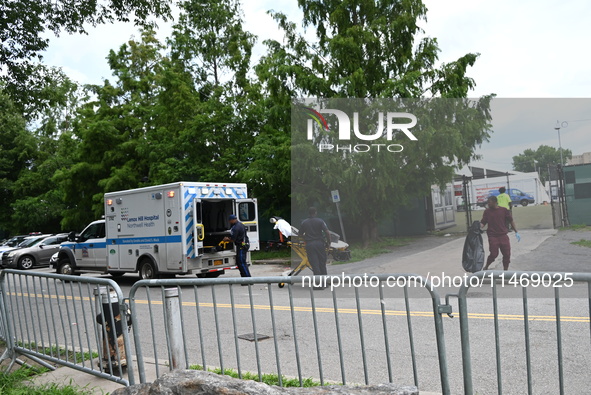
x=369 y=232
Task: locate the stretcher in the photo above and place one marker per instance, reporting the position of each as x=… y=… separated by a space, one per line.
x=300 y=249
x=338 y=250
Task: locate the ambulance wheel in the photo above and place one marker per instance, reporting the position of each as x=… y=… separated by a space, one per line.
x=147 y=270
x=65 y=267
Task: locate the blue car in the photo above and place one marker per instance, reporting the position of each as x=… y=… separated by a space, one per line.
x=517 y=196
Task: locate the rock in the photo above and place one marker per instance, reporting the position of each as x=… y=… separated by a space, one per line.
x=185 y=382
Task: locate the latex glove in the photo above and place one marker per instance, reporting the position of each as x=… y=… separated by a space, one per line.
x=518 y=236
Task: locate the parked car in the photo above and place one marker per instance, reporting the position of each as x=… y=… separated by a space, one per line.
x=517 y=196
x=12 y=242
x=37 y=254
x=29 y=241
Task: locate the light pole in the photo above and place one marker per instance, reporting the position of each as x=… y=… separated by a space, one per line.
x=557 y=128
x=561 y=195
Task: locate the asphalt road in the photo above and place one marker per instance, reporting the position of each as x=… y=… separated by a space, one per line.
x=307 y=340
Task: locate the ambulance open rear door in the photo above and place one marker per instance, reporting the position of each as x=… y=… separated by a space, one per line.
x=246 y=211
x=198 y=228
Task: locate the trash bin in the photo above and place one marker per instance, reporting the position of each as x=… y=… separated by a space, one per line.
x=112 y=344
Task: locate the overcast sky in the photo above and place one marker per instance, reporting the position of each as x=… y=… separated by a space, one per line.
x=529 y=49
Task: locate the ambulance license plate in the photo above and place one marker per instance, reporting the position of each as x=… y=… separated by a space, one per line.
x=218 y=262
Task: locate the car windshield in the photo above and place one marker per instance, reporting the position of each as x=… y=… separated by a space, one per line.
x=30 y=242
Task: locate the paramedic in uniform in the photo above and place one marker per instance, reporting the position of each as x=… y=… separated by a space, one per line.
x=496 y=218
x=239 y=238
x=317 y=238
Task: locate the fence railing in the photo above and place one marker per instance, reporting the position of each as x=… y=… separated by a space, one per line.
x=79 y=322
x=515 y=332
x=341 y=335
x=541 y=332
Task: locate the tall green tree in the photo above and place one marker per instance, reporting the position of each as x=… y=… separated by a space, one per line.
x=111 y=129
x=16 y=148
x=209 y=42
x=369 y=49
x=539 y=160
x=24 y=26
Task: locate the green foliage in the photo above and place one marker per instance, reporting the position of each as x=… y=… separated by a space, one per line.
x=17 y=145
x=24 y=26
x=539 y=160
x=367 y=49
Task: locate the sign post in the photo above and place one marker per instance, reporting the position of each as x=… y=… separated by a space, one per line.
x=336 y=199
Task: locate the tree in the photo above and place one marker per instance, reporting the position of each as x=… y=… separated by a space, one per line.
x=24 y=25
x=111 y=129
x=16 y=146
x=368 y=49
x=538 y=160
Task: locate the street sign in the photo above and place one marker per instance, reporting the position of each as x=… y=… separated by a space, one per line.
x=335 y=196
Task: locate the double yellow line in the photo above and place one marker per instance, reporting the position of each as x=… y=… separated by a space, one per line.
x=307 y=309
x=330 y=310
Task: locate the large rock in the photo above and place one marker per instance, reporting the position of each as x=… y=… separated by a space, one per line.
x=185 y=382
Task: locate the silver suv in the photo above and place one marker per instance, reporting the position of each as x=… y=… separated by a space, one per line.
x=37 y=253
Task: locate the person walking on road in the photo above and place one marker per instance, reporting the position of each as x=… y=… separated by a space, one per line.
x=240 y=239
x=317 y=238
x=496 y=218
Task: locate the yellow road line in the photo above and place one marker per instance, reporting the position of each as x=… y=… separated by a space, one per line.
x=476 y=316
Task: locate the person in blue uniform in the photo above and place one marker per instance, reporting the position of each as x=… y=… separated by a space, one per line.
x=240 y=239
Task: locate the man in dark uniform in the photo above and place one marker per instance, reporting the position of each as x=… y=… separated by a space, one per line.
x=497 y=218
x=317 y=238
x=240 y=240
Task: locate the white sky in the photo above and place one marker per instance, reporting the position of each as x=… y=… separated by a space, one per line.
x=528 y=49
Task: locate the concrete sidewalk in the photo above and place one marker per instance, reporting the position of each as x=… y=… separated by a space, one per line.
x=445 y=258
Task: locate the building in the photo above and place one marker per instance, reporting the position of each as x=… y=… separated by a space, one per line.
x=580 y=159
x=577 y=180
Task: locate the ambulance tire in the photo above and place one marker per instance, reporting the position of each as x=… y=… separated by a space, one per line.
x=146 y=270
x=65 y=267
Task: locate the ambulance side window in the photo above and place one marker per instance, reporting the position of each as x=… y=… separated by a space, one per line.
x=94 y=232
x=246 y=211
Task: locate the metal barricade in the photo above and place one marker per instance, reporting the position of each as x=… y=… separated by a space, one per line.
x=539 y=340
x=362 y=334
x=53 y=318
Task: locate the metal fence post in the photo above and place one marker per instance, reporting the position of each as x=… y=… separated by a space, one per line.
x=175 y=329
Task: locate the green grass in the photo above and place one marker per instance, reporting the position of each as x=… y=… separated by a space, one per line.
x=578 y=228
x=383 y=246
x=18 y=383
x=269 y=379
x=60 y=352
x=284 y=253
x=582 y=243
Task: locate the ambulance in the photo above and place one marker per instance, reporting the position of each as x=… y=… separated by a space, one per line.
x=163 y=230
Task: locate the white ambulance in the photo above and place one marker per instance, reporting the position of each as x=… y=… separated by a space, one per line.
x=163 y=230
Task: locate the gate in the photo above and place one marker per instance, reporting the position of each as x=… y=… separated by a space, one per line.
x=344 y=335
x=541 y=346
x=517 y=332
x=65 y=320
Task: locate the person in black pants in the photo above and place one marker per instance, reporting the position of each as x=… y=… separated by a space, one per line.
x=240 y=240
x=317 y=238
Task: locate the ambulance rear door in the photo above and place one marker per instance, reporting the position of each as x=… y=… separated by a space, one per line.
x=247 y=213
x=198 y=229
